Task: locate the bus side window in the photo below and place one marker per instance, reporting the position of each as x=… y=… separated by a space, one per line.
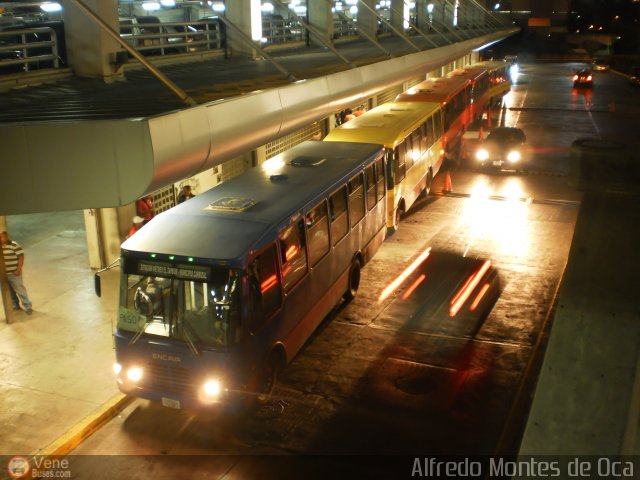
x=339 y=216
x=408 y=147
x=398 y=160
x=293 y=254
x=424 y=146
x=429 y=126
x=437 y=125
x=266 y=292
x=318 y=232
x=356 y=199
x=371 y=187
x=380 y=179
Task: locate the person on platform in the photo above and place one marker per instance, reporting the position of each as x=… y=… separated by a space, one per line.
x=144 y=208
x=136 y=225
x=13 y=262
x=185 y=194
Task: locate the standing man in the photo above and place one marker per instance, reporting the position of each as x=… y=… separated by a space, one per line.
x=14 y=259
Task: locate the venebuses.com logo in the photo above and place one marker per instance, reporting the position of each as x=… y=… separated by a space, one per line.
x=18 y=467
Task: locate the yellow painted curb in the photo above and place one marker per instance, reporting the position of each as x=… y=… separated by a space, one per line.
x=85 y=428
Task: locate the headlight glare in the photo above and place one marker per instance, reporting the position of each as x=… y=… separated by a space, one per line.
x=212 y=388
x=117 y=368
x=482 y=154
x=514 y=156
x=134 y=374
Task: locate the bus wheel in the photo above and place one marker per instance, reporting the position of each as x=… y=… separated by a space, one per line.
x=354 y=281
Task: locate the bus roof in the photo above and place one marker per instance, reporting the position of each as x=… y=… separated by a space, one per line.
x=246 y=212
x=388 y=124
x=435 y=89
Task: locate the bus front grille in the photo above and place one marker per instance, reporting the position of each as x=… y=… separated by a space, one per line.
x=170 y=379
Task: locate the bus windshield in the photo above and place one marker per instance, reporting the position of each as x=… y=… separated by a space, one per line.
x=198 y=313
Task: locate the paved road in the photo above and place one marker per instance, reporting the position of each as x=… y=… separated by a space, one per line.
x=404 y=376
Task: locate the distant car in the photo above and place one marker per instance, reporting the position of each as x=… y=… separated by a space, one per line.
x=634 y=79
x=583 y=78
x=504 y=146
x=599 y=65
x=511 y=59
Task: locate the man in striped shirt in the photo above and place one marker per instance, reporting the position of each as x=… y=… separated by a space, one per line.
x=13 y=260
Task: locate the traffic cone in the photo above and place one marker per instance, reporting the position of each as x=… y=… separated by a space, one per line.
x=447 y=183
x=489 y=119
x=612 y=107
x=480 y=134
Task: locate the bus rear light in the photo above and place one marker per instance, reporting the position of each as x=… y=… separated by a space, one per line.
x=589 y=78
x=134 y=374
x=575 y=77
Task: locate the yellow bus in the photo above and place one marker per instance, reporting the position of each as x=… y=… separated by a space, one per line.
x=411 y=133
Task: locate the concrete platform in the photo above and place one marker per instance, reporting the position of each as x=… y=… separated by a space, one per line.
x=55 y=364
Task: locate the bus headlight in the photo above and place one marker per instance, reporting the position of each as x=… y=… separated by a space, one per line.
x=514 y=156
x=482 y=154
x=212 y=389
x=117 y=368
x=134 y=374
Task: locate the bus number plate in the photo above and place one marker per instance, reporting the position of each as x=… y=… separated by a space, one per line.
x=171 y=403
x=497 y=163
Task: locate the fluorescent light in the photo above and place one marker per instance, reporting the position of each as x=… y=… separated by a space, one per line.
x=255 y=9
x=51 y=7
x=267 y=7
x=168 y=3
x=150 y=6
x=217 y=7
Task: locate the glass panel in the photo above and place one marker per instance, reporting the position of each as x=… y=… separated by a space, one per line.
x=338 y=214
x=380 y=179
x=371 y=187
x=264 y=281
x=205 y=313
x=356 y=199
x=293 y=254
x=318 y=232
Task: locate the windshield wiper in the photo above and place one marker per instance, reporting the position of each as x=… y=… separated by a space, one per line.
x=187 y=326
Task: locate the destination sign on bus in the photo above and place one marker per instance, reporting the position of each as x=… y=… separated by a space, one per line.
x=184 y=272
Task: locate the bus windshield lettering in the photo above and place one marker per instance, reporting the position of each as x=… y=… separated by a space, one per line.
x=185 y=272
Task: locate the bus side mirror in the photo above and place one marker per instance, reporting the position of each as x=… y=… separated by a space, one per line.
x=97 y=285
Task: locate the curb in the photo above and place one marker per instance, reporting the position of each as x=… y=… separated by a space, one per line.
x=68 y=441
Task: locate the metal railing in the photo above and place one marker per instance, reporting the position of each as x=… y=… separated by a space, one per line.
x=173 y=37
x=27 y=49
x=279 y=30
x=343 y=28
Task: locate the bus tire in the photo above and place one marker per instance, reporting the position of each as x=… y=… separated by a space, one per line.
x=354 y=280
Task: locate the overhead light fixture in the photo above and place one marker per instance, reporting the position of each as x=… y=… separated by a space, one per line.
x=51 y=7
x=168 y=3
x=150 y=6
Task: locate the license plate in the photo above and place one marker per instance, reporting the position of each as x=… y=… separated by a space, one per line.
x=171 y=403
x=497 y=163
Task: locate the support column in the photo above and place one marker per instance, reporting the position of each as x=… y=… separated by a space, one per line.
x=367 y=20
x=397 y=14
x=106 y=229
x=90 y=51
x=422 y=17
x=247 y=16
x=320 y=16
